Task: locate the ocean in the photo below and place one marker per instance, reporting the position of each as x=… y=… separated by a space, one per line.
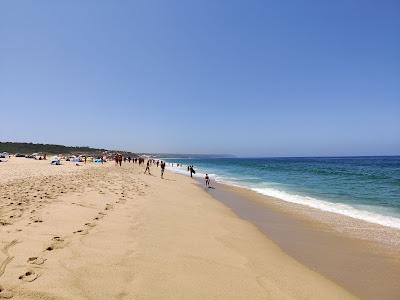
x=366 y=188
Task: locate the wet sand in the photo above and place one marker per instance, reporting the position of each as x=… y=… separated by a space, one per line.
x=108 y=232
x=362 y=257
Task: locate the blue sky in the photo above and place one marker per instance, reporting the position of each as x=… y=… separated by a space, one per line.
x=252 y=78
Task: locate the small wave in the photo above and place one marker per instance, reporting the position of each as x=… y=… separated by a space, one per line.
x=184 y=171
x=339 y=208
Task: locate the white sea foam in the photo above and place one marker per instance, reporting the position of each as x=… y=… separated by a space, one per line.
x=338 y=208
x=183 y=171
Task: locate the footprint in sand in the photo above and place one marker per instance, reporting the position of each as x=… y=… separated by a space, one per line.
x=4 y=222
x=109 y=206
x=57 y=239
x=50 y=248
x=58 y=244
x=121 y=200
x=29 y=276
x=81 y=231
x=36 y=260
x=90 y=224
x=99 y=216
x=4 y=294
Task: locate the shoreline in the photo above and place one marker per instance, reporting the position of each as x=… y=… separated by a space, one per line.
x=362 y=257
x=373 y=215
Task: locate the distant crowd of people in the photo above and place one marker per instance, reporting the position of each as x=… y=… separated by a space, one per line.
x=140 y=160
x=158 y=163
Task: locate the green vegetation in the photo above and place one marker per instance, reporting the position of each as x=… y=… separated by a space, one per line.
x=29 y=148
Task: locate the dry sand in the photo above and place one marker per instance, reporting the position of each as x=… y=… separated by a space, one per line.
x=107 y=232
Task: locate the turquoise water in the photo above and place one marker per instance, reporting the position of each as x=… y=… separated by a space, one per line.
x=366 y=188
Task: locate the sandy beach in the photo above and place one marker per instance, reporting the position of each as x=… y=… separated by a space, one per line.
x=107 y=232
x=199 y=150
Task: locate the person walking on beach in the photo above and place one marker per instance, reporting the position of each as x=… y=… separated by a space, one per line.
x=162 y=169
x=147 y=167
x=207 y=179
x=120 y=160
x=192 y=171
